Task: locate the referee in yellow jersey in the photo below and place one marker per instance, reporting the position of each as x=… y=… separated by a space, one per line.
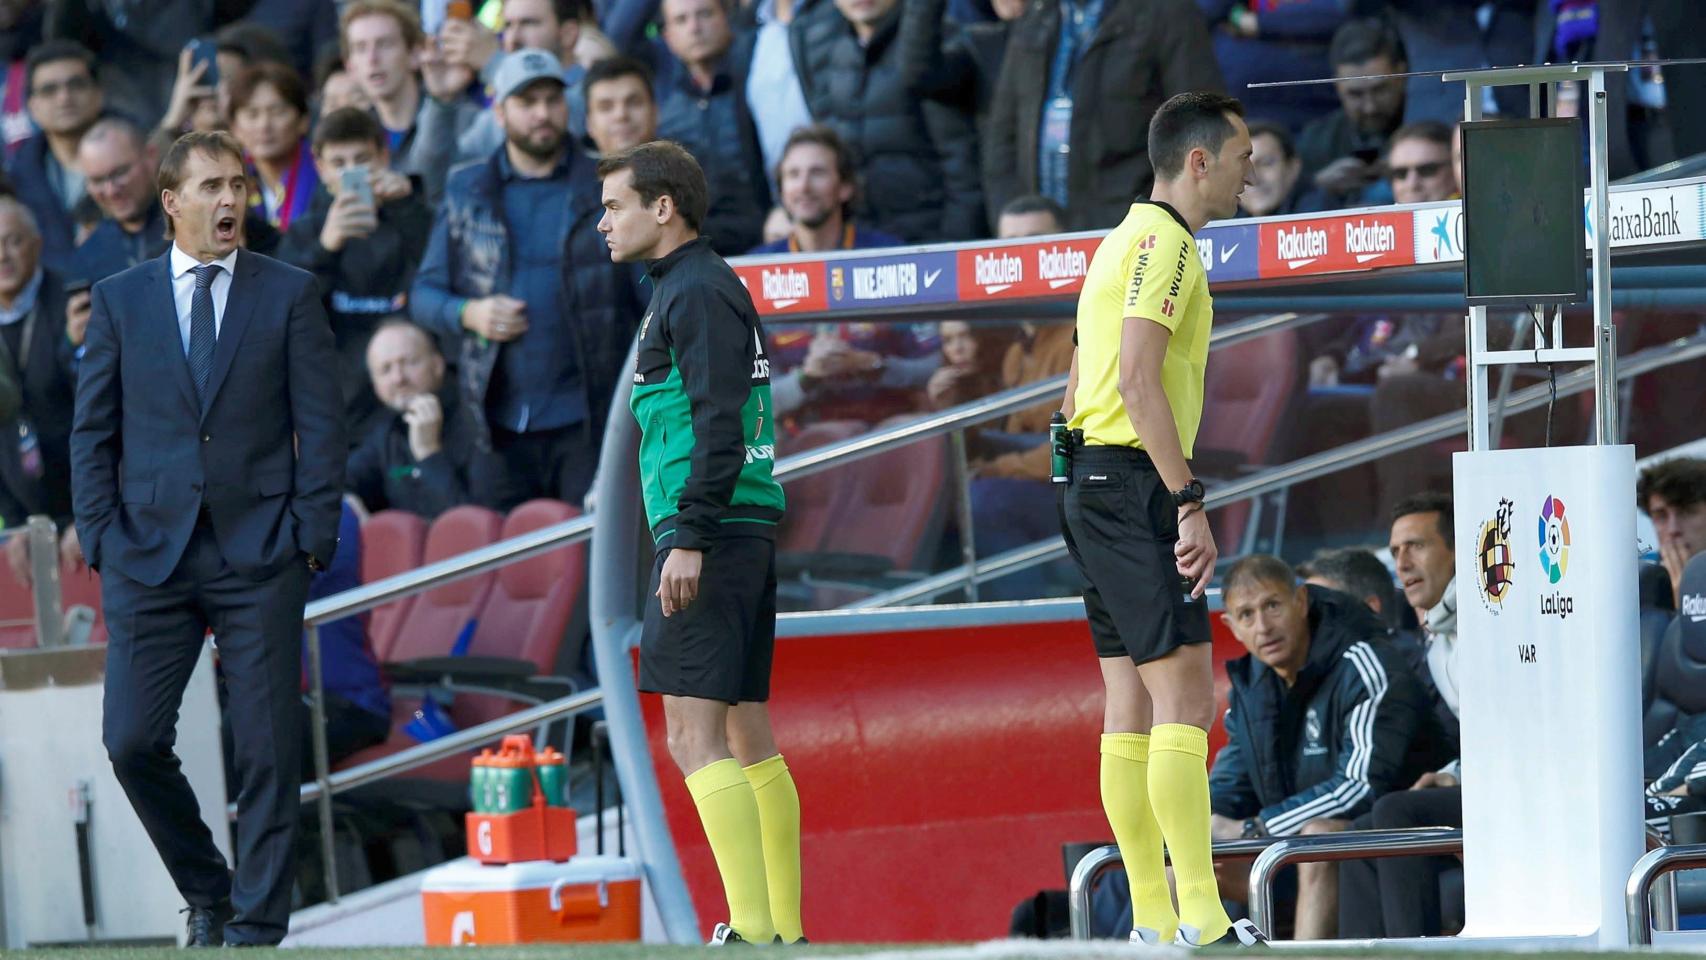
x=1133 y=517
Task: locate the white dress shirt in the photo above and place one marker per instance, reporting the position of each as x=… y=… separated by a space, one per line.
x=183 y=290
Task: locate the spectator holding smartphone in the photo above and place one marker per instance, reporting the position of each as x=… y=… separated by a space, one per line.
x=362 y=237
x=1341 y=150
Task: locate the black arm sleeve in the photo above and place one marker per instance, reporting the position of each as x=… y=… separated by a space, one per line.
x=714 y=350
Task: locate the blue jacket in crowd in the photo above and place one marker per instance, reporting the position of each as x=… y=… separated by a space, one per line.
x=28 y=170
x=468 y=256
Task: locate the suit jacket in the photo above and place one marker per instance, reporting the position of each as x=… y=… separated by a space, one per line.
x=146 y=456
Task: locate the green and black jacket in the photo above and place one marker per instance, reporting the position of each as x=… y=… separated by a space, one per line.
x=702 y=397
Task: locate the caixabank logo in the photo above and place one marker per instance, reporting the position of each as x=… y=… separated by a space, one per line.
x=1554 y=534
x=1495 y=562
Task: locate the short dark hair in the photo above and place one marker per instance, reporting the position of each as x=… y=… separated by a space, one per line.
x=1358 y=572
x=1359 y=41
x=285 y=80
x=1268 y=128
x=1257 y=568
x=253 y=42
x=1432 y=131
x=53 y=51
x=1430 y=502
x=662 y=168
x=1186 y=122
x=613 y=68
x=1680 y=480
x=349 y=125
x=1035 y=203
x=174 y=166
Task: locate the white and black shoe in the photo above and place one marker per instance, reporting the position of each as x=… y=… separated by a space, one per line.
x=724 y=935
x=1145 y=937
x=1242 y=933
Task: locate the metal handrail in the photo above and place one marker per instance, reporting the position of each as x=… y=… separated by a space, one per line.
x=1663 y=861
x=1417 y=434
x=1350 y=845
x=448 y=745
x=1092 y=865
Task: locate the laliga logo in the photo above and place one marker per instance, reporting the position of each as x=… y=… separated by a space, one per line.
x=1555 y=557
x=1494 y=557
x=1554 y=540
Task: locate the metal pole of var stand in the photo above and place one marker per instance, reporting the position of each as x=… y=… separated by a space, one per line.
x=1604 y=335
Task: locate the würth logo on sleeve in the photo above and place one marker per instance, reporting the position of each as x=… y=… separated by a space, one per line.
x=1167 y=307
x=1147 y=243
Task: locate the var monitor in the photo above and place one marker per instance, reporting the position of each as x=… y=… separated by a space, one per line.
x=1523 y=216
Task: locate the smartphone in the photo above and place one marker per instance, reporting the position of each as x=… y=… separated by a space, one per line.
x=1367 y=154
x=204 y=50
x=356 y=180
x=74 y=287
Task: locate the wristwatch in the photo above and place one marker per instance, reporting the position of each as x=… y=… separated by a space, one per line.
x=1192 y=493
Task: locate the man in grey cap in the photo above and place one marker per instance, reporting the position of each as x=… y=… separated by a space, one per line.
x=517 y=271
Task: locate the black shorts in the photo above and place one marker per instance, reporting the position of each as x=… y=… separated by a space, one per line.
x=719 y=648
x=1120 y=525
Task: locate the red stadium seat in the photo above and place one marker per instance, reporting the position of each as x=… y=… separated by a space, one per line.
x=894 y=504
x=1247 y=394
x=813 y=500
x=392 y=542
x=528 y=614
x=17 y=613
x=432 y=624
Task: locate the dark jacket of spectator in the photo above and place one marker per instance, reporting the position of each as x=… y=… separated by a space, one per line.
x=28 y=170
x=346 y=657
x=138 y=42
x=716 y=127
x=384 y=473
x=1290 y=44
x=1144 y=51
x=48 y=379
x=1354 y=726
x=362 y=284
x=468 y=256
x=917 y=154
x=110 y=249
x=1447 y=35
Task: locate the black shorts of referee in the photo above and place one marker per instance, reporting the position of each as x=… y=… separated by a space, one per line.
x=1121 y=525
x=720 y=647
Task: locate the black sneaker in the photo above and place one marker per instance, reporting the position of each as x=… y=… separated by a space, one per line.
x=206 y=925
x=1242 y=933
x=779 y=942
x=724 y=935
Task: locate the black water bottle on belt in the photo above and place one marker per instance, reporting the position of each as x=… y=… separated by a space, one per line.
x=1060 y=449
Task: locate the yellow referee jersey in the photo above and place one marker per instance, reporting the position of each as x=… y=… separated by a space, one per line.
x=1146 y=267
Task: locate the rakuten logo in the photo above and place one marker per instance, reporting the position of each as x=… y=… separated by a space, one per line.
x=1369 y=241
x=1061 y=266
x=1694 y=607
x=997 y=271
x=784 y=287
x=1302 y=246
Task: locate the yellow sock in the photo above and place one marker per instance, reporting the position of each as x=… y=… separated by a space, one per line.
x=1178 y=792
x=730 y=815
x=1125 y=798
x=779 y=818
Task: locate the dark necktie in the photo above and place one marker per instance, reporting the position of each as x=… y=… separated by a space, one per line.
x=201 y=328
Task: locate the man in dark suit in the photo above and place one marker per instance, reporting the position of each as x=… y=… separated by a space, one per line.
x=192 y=500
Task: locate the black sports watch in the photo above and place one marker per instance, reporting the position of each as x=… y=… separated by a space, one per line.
x=1192 y=493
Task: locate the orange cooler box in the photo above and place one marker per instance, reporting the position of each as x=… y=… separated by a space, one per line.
x=585 y=899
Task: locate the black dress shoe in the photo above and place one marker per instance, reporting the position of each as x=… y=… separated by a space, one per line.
x=206 y=925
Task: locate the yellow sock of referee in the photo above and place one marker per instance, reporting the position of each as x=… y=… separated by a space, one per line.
x=729 y=812
x=1125 y=798
x=1178 y=791
x=779 y=821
